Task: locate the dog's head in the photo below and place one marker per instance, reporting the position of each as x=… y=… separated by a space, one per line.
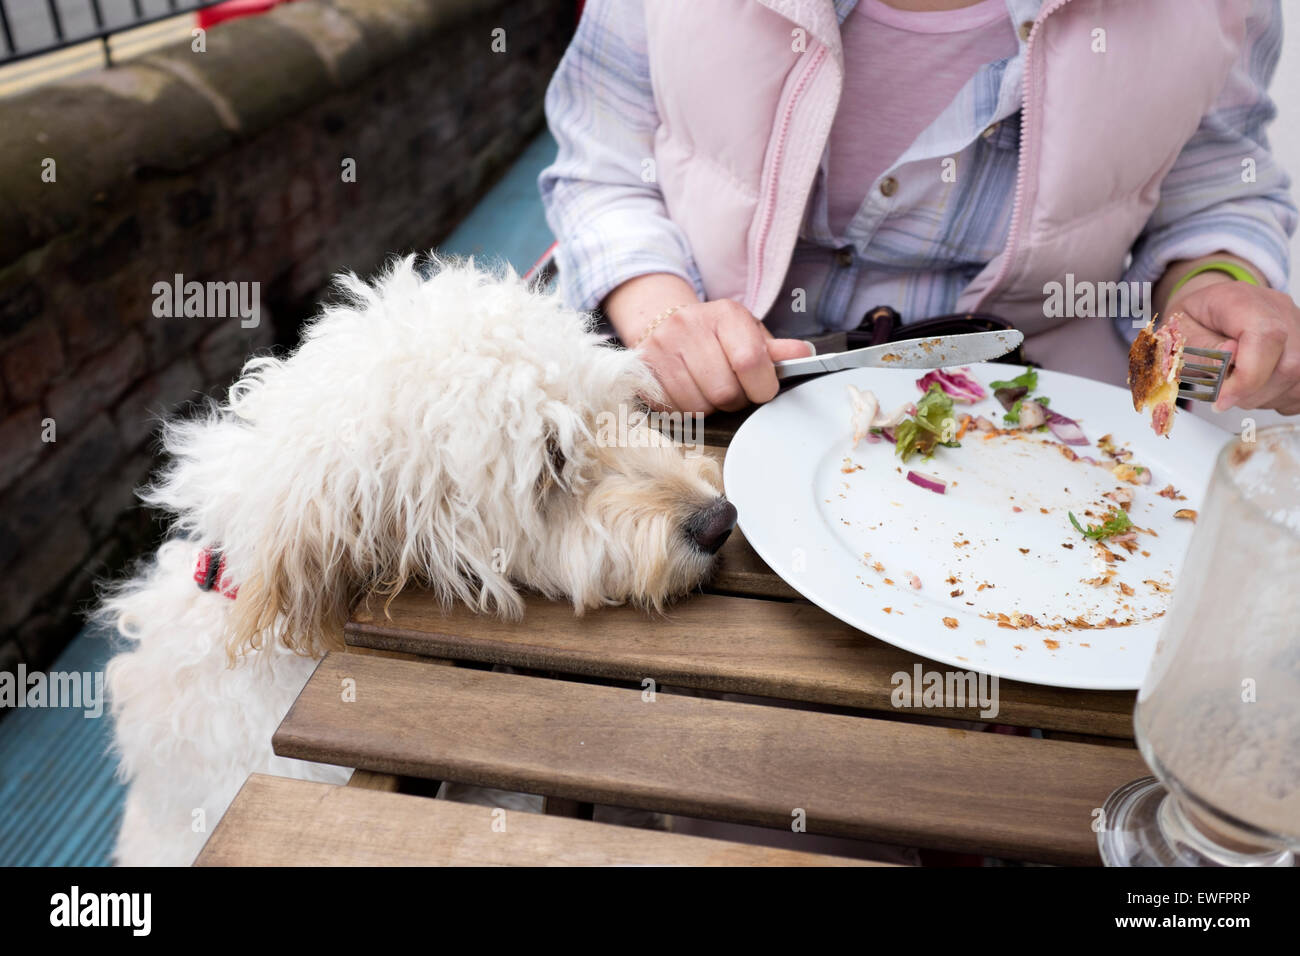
x=459 y=432
x=628 y=515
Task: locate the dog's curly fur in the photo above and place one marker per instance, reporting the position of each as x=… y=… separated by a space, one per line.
x=438 y=432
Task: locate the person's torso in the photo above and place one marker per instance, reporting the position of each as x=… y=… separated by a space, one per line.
x=918 y=87
x=747 y=93
x=901 y=69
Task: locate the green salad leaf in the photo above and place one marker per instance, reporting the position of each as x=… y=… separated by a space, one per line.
x=1117 y=522
x=1028 y=379
x=925 y=430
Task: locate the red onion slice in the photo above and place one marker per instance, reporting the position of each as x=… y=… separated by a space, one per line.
x=957 y=384
x=1066 y=429
x=929 y=482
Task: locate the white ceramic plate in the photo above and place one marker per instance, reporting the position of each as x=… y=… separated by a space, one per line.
x=839 y=536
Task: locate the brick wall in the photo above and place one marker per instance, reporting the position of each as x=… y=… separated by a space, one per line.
x=222 y=166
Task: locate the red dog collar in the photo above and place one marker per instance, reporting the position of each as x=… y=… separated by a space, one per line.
x=210 y=573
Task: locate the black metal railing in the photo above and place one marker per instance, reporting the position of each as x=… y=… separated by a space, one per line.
x=30 y=28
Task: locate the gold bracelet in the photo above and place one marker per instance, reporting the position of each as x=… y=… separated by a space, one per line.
x=655 y=324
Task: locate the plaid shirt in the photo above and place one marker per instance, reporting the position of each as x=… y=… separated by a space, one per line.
x=613 y=225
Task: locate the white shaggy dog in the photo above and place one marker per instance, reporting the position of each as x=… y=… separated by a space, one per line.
x=440 y=432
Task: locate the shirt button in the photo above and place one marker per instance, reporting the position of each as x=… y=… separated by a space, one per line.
x=844 y=257
x=888 y=186
x=991 y=130
x=1025 y=29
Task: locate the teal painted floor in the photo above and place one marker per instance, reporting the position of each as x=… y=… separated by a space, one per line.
x=59 y=802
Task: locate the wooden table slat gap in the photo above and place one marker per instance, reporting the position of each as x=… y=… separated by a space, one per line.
x=719 y=643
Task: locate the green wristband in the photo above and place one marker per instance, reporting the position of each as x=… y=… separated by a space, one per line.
x=1231 y=268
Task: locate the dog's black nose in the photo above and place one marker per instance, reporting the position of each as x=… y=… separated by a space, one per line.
x=710 y=527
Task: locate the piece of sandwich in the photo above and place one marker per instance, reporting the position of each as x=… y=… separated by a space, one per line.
x=1154 y=363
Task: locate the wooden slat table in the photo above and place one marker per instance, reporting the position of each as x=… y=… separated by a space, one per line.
x=275 y=821
x=815 y=737
x=888 y=781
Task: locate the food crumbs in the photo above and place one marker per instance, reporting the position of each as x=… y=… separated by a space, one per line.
x=950 y=622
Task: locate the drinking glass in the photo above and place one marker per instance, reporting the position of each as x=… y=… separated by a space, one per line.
x=1218 y=714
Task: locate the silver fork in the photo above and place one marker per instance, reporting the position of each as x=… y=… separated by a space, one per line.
x=1201 y=382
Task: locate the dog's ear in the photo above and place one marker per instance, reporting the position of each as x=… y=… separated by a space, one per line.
x=297 y=580
x=291 y=600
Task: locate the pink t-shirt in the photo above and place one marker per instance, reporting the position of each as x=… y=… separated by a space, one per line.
x=901 y=69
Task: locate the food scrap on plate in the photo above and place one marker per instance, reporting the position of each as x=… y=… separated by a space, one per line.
x=931 y=424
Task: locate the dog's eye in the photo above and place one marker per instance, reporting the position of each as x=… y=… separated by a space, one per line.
x=556 y=454
x=557 y=460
